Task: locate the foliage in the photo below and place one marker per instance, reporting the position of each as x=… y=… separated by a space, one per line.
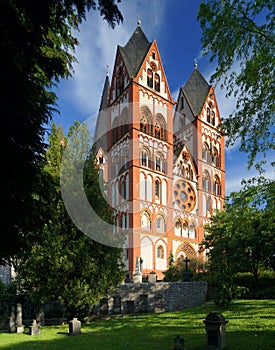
x=264 y=290
x=175 y=271
x=37 y=46
x=242 y=33
x=8 y=297
x=241 y=237
x=251 y=326
x=58 y=261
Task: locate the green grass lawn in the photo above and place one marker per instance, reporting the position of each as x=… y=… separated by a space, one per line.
x=251 y=327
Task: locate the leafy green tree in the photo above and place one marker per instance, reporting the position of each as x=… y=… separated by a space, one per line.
x=242 y=33
x=241 y=237
x=37 y=46
x=58 y=260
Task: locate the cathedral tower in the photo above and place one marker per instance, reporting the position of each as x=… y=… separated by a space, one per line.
x=163 y=161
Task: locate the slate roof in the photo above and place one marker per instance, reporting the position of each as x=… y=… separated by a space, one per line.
x=100 y=134
x=196 y=90
x=105 y=94
x=134 y=51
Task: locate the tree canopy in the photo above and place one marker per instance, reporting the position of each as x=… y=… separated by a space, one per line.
x=59 y=262
x=239 y=35
x=241 y=237
x=37 y=47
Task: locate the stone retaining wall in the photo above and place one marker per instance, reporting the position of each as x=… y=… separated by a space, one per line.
x=155 y=297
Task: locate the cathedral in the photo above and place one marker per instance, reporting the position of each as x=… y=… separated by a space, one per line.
x=162 y=160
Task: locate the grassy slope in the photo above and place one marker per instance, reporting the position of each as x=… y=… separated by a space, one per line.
x=251 y=327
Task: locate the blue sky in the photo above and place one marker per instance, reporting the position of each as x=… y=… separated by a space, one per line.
x=174 y=25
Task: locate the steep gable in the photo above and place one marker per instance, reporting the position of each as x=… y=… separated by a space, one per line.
x=196 y=91
x=134 y=52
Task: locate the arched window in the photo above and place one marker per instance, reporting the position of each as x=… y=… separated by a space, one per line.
x=157 y=189
x=208 y=115
x=213 y=118
x=149 y=77
x=124 y=121
x=185 y=229
x=206 y=185
x=206 y=153
x=159 y=160
x=192 y=231
x=115 y=130
x=178 y=228
x=119 y=81
x=157 y=82
x=160 y=252
x=145 y=120
x=217 y=186
x=160 y=223
x=124 y=188
x=189 y=172
x=145 y=157
x=216 y=157
x=143 y=124
x=160 y=128
x=146 y=220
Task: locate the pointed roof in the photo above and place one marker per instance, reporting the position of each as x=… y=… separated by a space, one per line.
x=134 y=52
x=100 y=134
x=105 y=94
x=196 y=90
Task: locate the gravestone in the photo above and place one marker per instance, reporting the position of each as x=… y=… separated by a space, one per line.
x=215 y=330
x=179 y=343
x=74 y=326
x=117 y=304
x=159 y=303
x=19 y=325
x=34 y=328
x=153 y=277
x=12 y=328
x=127 y=279
x=143 y=303
x=130 y=306
x=138 y=273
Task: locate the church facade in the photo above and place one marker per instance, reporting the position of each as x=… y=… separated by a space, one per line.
x=163 y=160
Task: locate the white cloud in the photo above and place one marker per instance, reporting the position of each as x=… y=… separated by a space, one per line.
x=97 y=49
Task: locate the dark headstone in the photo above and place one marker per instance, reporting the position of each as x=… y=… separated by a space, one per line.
x=127 y=279
x=130 y=306
x=215 y=330
x=179 y=343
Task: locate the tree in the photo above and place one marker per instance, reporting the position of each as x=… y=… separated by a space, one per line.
x=242 y=32
x=37 y=48
x=58 y=261
x=240 y=238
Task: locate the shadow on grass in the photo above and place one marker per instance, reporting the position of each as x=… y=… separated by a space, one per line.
x=244 y=331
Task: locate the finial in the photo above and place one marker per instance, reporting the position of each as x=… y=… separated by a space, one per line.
x=139 y=20
x=107 y=69
x=195 y=63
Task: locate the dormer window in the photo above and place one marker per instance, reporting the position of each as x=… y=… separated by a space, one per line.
x=153 y=55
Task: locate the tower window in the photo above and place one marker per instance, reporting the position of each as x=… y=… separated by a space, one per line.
x=157 y=82
x=149 y=78
x=160 y=252
x=158 y=189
